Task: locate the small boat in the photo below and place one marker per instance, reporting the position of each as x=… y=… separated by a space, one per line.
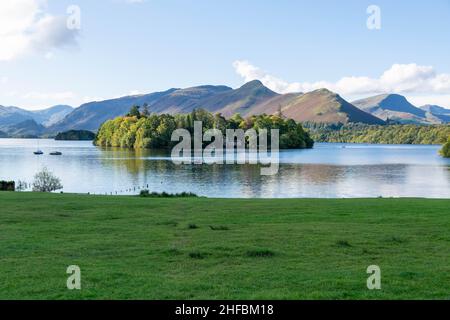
x=56 y=153
x=38 y=152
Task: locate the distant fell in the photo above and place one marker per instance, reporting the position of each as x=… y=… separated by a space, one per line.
x=252 y=98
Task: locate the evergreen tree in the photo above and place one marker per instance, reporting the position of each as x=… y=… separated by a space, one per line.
x=145 y=110
x=134 y=112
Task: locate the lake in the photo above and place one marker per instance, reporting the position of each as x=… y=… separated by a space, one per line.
x=330 y=170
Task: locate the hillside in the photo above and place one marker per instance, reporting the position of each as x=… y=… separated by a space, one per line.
x=46 y=117
x=440 y=113
x=397 y=108
x=17 y=122
x=24 y=129
x=212 y=98
x=434 y=109
x=13 y=115
x=273 y=105
x=241 y=100
x=91 y=115
x=326 y=107
x=52 y=115
x=186 y=100
x=252 y=98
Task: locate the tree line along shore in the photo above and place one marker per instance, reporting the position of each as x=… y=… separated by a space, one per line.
x=140 y=129
x=384 y=134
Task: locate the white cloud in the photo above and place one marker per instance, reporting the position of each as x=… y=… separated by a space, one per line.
x=406 y=77
x=442 y=100
x=134 y=93
x=4 y=80
x=129 y=93
x=400 y=78
x=26 y=28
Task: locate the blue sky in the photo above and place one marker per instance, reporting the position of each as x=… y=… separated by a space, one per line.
x=134 y=47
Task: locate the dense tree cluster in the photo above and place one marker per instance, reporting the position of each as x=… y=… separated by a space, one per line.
x=140 y=129
x=445 y=151
x=7 y=185
x=388 y=134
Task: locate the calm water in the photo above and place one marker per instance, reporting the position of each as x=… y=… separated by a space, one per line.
x=328 y=170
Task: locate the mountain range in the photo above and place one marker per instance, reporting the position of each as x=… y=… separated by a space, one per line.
x=252 y=98
x=18 y=122
x=397 y=108
x=438 y=112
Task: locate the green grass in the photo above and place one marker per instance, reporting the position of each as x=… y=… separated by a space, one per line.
x=143 y=248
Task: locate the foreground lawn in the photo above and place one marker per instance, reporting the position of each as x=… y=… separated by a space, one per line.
x=143 y=248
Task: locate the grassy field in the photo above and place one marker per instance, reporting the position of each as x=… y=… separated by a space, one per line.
x=144 y=248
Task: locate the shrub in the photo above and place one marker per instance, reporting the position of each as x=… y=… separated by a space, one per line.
x=45 y=181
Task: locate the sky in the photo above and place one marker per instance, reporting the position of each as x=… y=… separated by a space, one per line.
x=72 y=52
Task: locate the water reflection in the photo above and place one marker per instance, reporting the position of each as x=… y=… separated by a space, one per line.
x=329 y=170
